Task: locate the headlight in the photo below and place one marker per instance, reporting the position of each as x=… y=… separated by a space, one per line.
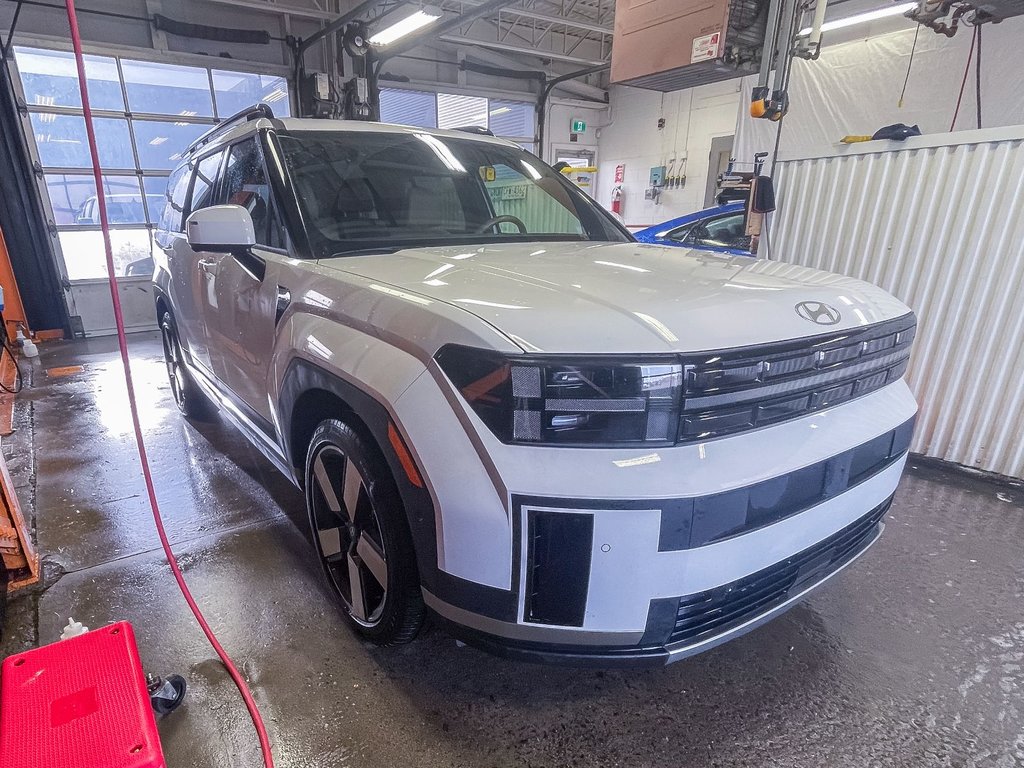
x=558 y=401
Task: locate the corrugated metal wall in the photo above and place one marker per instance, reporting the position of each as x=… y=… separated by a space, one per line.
x=940 y=225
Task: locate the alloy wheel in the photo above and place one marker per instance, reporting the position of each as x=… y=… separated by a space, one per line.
x=172 y=359
x=348 y=535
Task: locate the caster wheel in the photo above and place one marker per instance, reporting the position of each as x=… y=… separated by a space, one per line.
x=169 y=695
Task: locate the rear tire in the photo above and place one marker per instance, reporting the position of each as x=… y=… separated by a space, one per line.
x=361 y=534
x=186 y=393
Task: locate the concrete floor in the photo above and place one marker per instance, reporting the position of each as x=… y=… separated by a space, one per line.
x=913 y=657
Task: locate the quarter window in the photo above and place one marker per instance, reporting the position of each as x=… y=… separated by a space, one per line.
x=205 y=181
x=174 y=202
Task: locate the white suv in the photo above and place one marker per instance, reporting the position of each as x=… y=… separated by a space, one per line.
x=565 y=444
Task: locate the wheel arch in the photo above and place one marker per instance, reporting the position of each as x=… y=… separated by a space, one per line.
x=163 y=304
x=308 y=395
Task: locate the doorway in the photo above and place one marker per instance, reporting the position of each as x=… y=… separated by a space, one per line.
x=721 y=152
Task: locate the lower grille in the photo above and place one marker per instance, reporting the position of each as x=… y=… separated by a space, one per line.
x=718 y=610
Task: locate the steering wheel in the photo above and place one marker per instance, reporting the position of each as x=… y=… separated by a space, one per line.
x=491 y=223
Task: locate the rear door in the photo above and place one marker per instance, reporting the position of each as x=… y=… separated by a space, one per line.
x=249 y=288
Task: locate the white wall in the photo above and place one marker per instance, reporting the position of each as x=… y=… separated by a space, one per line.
x=854 y=88
x=692 y=119
x=561 y=113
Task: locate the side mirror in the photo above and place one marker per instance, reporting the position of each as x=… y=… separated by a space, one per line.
x=221 y=229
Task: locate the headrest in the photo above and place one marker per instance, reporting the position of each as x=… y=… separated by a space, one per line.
x=354 y=196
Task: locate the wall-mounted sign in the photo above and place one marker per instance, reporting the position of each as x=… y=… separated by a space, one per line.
x=620 y=173
x=578 y=126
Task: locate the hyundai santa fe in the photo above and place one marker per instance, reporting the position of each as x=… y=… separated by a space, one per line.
x=566 y=445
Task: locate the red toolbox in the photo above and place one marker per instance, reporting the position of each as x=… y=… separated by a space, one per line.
x=79 y=703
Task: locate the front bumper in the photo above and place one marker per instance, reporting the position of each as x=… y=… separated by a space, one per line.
x=691 y=624
x=661 y=527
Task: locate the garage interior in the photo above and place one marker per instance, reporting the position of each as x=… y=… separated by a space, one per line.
x=912 y=657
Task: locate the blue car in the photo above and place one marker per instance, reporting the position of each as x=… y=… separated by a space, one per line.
x=719 y=229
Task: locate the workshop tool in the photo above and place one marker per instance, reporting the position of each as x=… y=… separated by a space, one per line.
x=84 y=701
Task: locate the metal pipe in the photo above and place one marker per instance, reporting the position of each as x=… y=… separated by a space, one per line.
x=819 y=18
x=771 y=31
x=542 y=100
x=520 y=49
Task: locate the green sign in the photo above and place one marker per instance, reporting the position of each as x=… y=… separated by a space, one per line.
x=578 y=126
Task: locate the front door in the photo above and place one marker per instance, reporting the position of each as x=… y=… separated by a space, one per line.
x=196 y=277
x=247 y=289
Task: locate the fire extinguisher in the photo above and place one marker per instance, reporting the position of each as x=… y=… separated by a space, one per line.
x=617 y=200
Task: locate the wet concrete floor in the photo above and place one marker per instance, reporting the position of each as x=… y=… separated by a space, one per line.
x=912 y=657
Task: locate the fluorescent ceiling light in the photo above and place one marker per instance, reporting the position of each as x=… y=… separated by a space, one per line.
x=408 y=25
x=862 y=18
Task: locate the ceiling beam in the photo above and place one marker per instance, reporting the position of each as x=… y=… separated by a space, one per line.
x=279 y=9
x=568 y=22
x=539 y=53
x=437 y=30
x=337 y=24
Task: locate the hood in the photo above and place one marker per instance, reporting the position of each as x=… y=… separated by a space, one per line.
x=626 y=297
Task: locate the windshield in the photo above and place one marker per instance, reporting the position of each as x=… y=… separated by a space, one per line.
x=361 y=191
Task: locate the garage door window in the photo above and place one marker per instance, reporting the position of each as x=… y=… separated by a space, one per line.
x=146 y=114
x=512 y=120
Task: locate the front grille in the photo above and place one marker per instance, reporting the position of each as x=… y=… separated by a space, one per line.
x=716 y=611
x=735 y=391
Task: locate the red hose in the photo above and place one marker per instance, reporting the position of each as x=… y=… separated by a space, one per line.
x=250 y=704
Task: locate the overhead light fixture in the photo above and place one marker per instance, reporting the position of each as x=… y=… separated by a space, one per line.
x=863 y=18
x=406 y=26
x=275 y=95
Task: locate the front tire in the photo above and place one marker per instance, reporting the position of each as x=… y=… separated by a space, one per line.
x=361 y=535
x=186 y=393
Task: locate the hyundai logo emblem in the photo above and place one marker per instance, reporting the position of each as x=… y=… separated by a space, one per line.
x=818 y=312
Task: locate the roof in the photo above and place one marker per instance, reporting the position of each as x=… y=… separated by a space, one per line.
x=248 y=121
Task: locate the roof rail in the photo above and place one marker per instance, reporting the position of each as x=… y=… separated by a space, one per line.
x=254 y=112
x=479 y=130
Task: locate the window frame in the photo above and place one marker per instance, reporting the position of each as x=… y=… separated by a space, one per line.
x=275 y=217
x=702 y=224
x=504 y=99
x=142 y=174
x=215 y=185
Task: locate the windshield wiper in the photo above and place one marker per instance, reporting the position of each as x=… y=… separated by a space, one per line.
x=370 y=250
